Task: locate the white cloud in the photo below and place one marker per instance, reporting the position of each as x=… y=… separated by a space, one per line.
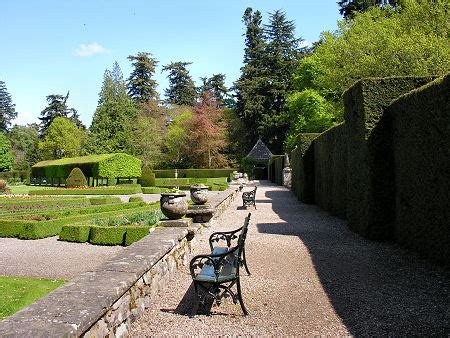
x=90 y=49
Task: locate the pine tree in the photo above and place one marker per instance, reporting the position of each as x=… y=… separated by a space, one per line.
x=348 y=8
x=111 y=130
x=141 y=86
x=57 y=107
x=251 y=87
x=282 y=55
x=181 y=89
x=216 y=85
x=7 y=108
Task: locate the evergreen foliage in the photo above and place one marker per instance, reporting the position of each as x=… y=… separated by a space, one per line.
x=181 y=89
x=348 y=8
x=57 y=107
x=7 y=108
x=216 y=85
x=111 y=129
x=141 y=86
x=6 y=156
x=76 y=179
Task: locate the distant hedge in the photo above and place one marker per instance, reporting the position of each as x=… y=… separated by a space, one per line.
x=116 y=190
x=15 y=176
x=104 y=166
x=105 y=200
x=302 y=164
x=198 y=173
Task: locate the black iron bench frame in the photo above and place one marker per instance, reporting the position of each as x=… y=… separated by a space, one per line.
x=217 y=274
x=248 y=198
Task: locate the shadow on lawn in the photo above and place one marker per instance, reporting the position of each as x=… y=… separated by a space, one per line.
x=375 y=288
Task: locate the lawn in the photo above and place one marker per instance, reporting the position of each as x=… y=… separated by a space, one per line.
x=24 y=189
x=18 y=292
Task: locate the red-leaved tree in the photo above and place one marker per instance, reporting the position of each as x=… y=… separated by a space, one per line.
x=207 y=134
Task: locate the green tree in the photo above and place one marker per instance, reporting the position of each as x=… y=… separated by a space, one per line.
x=282 y=55
x=6 y=156
x=176 y=140
x=348 y=8
x=63 y=139
x=147 y=141
x=7 y=108
x=24 y=143
x=141 y=86
x=111 y=130
x=308 y=112
x=216 y=85
x=56 y=107
x=412 y=41
x=181 y=89
x=251 y=87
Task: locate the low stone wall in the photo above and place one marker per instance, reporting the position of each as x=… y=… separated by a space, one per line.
x=104 y=302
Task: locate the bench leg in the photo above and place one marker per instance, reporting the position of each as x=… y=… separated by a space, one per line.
x=245 y=262
x=241 y=302
x=195 y=306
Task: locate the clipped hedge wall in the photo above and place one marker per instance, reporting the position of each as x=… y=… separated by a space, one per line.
x=116 y=190
x=134 y=234
x=421 y=154
x=197 y=173
x=75 y=233
x=275 y=169
x=104 y=165
x=364 y=104
x=108 y=235
x=330 y=166
x=153 y=190
x=134 y=199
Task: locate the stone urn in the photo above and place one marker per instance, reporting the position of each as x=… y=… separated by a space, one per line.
x=199 y=194
x=173 y=204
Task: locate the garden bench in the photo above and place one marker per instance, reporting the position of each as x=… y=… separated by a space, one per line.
x=248 y=198
x=217 y=273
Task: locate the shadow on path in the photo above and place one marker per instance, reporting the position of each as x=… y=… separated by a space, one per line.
x=375 y=288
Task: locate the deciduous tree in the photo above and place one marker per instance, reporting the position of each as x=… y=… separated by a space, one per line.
x=24 y=143
x=57 y=107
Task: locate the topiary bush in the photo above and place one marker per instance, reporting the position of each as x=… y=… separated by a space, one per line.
x=147 y=178
x=76 y=179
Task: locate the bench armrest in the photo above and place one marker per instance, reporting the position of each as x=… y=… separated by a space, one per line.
x=217 y=261
x=227 y=236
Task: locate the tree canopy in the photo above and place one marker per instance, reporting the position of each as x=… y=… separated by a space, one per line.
x=141 y=86
x=6 y=156
x=181 y=89
x=57 y=107
x=7 y=108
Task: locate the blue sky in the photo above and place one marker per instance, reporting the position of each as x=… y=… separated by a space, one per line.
x=51 y=47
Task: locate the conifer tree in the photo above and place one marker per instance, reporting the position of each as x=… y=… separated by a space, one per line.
x=141 y=86
x=7 y=108
x=348 y=8
x=216 y=85
x=181 y=89
x=57 y=107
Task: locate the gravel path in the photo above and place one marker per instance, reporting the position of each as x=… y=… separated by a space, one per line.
x=50 y=258
x=310 y=276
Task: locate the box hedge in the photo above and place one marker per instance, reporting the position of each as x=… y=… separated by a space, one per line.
x=75 y=233
x=134 y=199
x=275 y=168
x=116 y=190
x=108 y=235
x=104 y=165
x=106 y=200
x=147 y=178
x=303 y=177
x=135 y=233
x=153 y=190
x=365 y=102
x=197 y=173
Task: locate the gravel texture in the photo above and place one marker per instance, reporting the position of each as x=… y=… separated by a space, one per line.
x=50 y=258
x=310 y=276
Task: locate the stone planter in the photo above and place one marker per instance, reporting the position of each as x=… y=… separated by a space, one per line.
x=199 y=194
x=173 y=204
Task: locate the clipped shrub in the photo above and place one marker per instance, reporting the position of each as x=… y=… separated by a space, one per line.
x=136 y=199
x=75 y=233
x=76 y=179
x=135 y=233
x=193 y=173
x=107 y=235
x=4 y=189
x=153 y=190
x=105 y=200
x=116 y=190
x=147 y=178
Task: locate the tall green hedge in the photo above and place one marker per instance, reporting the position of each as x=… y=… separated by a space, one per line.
x=330 y=156
x=364 y=104
x=275 y=169
x=302 y=164
x=104 y=165
x=197 y=173
x=421 y=154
